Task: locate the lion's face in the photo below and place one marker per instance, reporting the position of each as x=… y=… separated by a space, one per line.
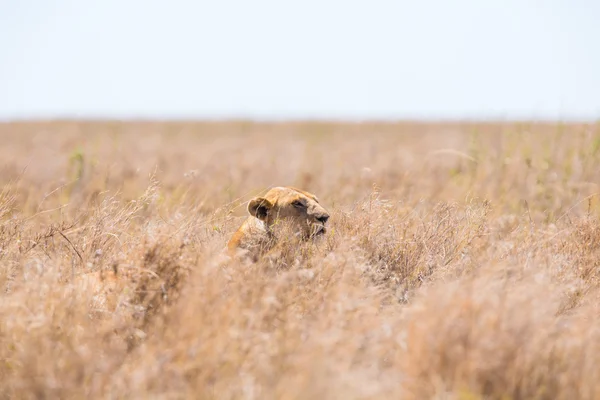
x=299 y=209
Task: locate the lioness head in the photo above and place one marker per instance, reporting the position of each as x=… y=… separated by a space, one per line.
x=281 y=211
x=300 y=209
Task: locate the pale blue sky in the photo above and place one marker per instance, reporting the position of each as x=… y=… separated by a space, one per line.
x=300 y=59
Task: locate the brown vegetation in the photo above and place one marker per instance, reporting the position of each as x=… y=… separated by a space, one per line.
x=461 y=261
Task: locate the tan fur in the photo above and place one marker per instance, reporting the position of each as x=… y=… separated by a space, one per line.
x=107 y=287
x=288 y=206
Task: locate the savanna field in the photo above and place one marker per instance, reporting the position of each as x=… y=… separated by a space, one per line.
x=461 y=261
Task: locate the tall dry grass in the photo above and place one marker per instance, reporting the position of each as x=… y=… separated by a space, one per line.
x=462 y=262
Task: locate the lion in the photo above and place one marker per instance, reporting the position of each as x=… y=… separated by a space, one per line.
x=280 y=207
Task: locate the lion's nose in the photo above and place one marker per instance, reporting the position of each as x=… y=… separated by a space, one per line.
x=323 y=218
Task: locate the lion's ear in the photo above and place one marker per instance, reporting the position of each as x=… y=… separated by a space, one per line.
x=259 y=207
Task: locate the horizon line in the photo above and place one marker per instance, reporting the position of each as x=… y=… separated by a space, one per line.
x=277 y=120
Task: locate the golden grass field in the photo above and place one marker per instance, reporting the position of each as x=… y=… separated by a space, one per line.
x=462 y=261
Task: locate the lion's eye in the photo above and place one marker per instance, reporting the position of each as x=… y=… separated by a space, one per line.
x=298 y=203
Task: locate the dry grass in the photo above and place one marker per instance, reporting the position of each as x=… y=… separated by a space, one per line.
x=462 y=262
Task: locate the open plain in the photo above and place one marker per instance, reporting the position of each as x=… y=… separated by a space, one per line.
x=461 y=261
